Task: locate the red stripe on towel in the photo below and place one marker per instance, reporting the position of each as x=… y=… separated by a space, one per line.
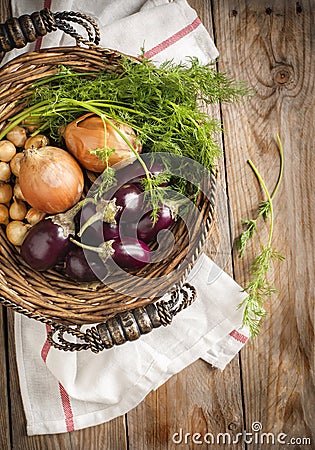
x=66 y=405
x=173 y=39
x=65 y=400
x=38 y=44
x=46 y=346
x=239 y=337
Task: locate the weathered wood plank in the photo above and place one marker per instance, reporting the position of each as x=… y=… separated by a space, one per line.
x=200 y=399
x=5 y=10
x=197 y=400
x=271 y=46
x=4 y=402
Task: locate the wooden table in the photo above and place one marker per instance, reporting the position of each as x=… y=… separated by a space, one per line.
x=271 y=46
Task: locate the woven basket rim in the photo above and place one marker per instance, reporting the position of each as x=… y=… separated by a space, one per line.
x=41 y=296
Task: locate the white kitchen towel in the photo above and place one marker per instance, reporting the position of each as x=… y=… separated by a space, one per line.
x=165 y=29
x=69 y=391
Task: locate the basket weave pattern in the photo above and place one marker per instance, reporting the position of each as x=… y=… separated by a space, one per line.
x=51 y=295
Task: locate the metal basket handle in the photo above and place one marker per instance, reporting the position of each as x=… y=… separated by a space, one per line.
x=17 y=32
x=125 y=326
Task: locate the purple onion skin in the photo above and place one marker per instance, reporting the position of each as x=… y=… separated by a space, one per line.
x=45 y=245
x=147 y=232
x=79 y=269
x=129 y=197
x=131 y=254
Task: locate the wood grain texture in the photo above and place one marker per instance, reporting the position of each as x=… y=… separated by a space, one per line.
x=270 y=45
x=199 y=399
x=4 y=401
x=272 y=49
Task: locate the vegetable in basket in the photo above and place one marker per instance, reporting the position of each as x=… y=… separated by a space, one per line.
x=50 y=179
x=136 y=107
x=79 y=269
x=89 y=133
x=45 y=245
x=7 y=150
x=160 y=104
x=148 y=228
x=130 y=253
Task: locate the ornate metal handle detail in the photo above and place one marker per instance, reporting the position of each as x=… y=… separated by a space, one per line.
x=17 y=32
x=126 y=326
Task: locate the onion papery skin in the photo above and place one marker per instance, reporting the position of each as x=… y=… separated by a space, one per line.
x=50 y=179
x=88 y=133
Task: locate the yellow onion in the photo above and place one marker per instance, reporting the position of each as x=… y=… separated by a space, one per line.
x=16 y=231
x=17 y=136
x=34 y=216
x=50 y=179
x=87 y=133
x=40 y=140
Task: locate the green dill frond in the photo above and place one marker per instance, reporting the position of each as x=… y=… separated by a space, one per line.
x=105 y=182
x=103 y=153
x=259 y=288
x=264 y=209
x=247 y=234
x=163 y=105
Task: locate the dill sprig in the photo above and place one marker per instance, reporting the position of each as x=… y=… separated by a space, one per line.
x=162 y=104
x=259 y=288
x=263 y=209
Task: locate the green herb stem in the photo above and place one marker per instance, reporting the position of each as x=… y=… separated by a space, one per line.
x=16 y=120
x=108 y=104
x=259 y=288
x=134 y=151
x=161 y=104
x=269 y=199
x=61 y=76
x=280 y=147
x=264 y=207
x=99 y=113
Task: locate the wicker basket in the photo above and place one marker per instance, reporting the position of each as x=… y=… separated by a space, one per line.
x=113 y=314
